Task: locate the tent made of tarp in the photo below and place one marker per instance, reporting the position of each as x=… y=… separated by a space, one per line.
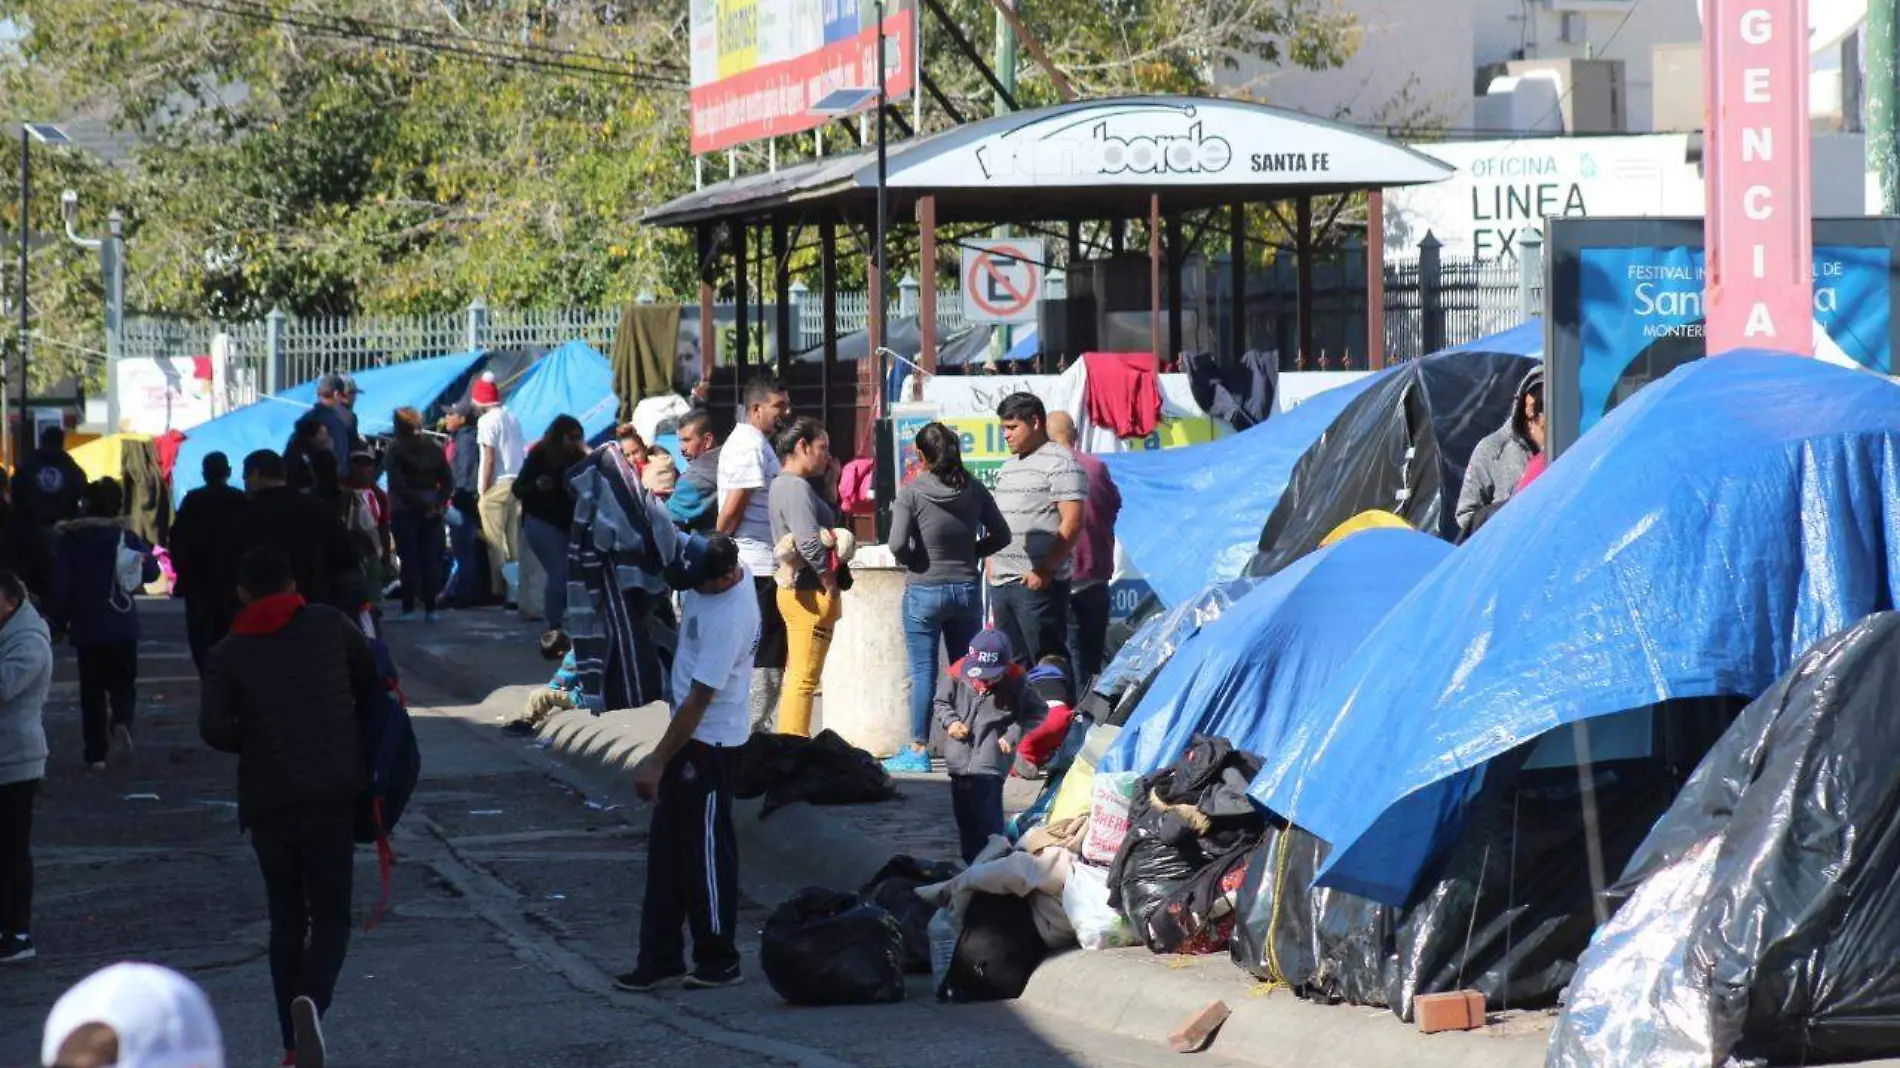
x=1247 y=675
x=575 y=380
x=132 y=461
x=1191 y=517
x=420 y=384
x=1401 y=446
x=1692 y=545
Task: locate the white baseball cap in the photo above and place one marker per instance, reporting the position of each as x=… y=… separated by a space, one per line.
x=161 y=1018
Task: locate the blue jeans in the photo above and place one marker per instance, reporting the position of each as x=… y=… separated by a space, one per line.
x=419 y=544
x=977 y=803
x=470 y=575
x=549 y=545
x=952 y=613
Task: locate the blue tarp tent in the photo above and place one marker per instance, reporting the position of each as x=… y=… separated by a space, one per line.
x=1191 y=517
x=572 y=380
x=1693 y=544
x=1247 y=675
x=267 y=424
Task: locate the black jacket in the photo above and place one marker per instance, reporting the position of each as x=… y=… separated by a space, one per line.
x=466 y=463
x=542 y=488
x=311 y=533
x=209 y=529
x=419 y=476
x=48 y=487
x=291 y=705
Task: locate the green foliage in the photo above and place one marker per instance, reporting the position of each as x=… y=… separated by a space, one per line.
x=278 y=165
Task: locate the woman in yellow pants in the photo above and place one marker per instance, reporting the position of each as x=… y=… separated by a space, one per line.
x=808 y=596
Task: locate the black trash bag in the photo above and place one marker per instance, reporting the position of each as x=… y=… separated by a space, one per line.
x=1329 y=946
x=826 y=770
x=1183 y=818
x=823 y=947
x=1777 y=873
x=1198 y=918
x=894 y=889
x=998 y=949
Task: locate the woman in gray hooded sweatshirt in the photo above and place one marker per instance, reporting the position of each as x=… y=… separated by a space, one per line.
x=942 y=524
x=26 y=674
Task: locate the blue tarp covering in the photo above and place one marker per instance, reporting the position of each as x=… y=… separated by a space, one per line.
x=1191 y=517
x=1247 y=675
x=572 y=380
x=1693 y=544
x=267 y=424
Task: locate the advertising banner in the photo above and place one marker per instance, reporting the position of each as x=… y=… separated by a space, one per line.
x=1644 y=313
x=1629 y=304
x=157 y=394
x=759 y=66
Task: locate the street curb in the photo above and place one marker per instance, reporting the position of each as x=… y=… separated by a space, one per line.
x=1138 y=995
x=1129 y=993
x=795 y=847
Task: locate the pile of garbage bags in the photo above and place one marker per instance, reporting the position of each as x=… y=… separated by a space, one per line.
x=825 y=770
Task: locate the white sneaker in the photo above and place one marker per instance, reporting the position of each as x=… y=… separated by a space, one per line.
x=307 y=1026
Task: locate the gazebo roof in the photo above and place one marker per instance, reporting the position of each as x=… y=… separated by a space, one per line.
x=1097 y=159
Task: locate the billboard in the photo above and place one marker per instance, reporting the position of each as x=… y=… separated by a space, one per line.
x=1629 y=304
x=758 y=66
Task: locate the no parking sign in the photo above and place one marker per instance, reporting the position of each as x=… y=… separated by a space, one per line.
x=1002 y=280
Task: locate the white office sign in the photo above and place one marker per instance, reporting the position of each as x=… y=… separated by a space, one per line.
x=1161 y=142
x=1503 y=189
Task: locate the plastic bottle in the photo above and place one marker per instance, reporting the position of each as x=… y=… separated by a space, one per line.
x=943 y=945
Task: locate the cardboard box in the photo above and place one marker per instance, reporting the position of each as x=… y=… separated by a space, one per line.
x=1460 y=1010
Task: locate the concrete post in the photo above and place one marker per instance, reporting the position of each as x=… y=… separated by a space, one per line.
x=1530 y=273
x=797 y=295
x=274 y=351
x=907 y=296
x=1430 y=298
x=477 y=333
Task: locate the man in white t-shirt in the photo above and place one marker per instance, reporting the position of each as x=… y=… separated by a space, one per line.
x=498 y=434
x=692 y=858
x=747 y=466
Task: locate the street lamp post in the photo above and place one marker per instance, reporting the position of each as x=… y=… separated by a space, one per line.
x=47 y=134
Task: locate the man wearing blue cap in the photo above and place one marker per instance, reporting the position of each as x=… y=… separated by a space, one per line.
x=692 y=858
x=982 y=704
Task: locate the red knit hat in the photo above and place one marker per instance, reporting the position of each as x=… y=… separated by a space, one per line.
x=485 y=391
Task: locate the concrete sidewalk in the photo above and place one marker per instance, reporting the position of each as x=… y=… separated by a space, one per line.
x=488 y=658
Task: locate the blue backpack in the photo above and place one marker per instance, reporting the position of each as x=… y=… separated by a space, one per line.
x=395 y=765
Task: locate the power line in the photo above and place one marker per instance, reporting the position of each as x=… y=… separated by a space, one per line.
x=551 y=50
x=436 y=48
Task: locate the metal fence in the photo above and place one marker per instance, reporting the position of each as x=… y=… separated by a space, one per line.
x=1430 y=304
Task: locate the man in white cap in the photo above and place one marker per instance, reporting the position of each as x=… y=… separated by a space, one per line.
x=133 y=1016
x=504 y=447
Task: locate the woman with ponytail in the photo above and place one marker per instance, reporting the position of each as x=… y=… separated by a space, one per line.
x=943 y=522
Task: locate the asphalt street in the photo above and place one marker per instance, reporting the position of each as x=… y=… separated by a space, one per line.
x=515 y=898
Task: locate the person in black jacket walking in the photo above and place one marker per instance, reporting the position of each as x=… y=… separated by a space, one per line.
x=288 y=692
x=467 y=586
x=308 y=530
x=547 y=507
x=210 y=524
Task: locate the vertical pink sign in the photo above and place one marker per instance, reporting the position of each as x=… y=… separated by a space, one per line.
x=1760 y=232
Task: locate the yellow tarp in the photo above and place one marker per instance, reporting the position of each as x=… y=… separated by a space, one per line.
x=1374 y=519
x=105 y=457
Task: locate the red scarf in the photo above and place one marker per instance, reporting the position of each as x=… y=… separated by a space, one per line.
x=267 y=615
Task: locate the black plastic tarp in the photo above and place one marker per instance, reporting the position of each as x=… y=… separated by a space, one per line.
x=1508 y=910
x=1760 y=919
x=1401 y=446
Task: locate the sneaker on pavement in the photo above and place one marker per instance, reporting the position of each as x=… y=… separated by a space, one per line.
x=646 y=980
x=122 y=749
x=307 y=1024
x=17 y=949
x=714 y=978
x=912 y=761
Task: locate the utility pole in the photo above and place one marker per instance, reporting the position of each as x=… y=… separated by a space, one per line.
x=1003 y=336
x=1881 y=101
x=23 y=440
